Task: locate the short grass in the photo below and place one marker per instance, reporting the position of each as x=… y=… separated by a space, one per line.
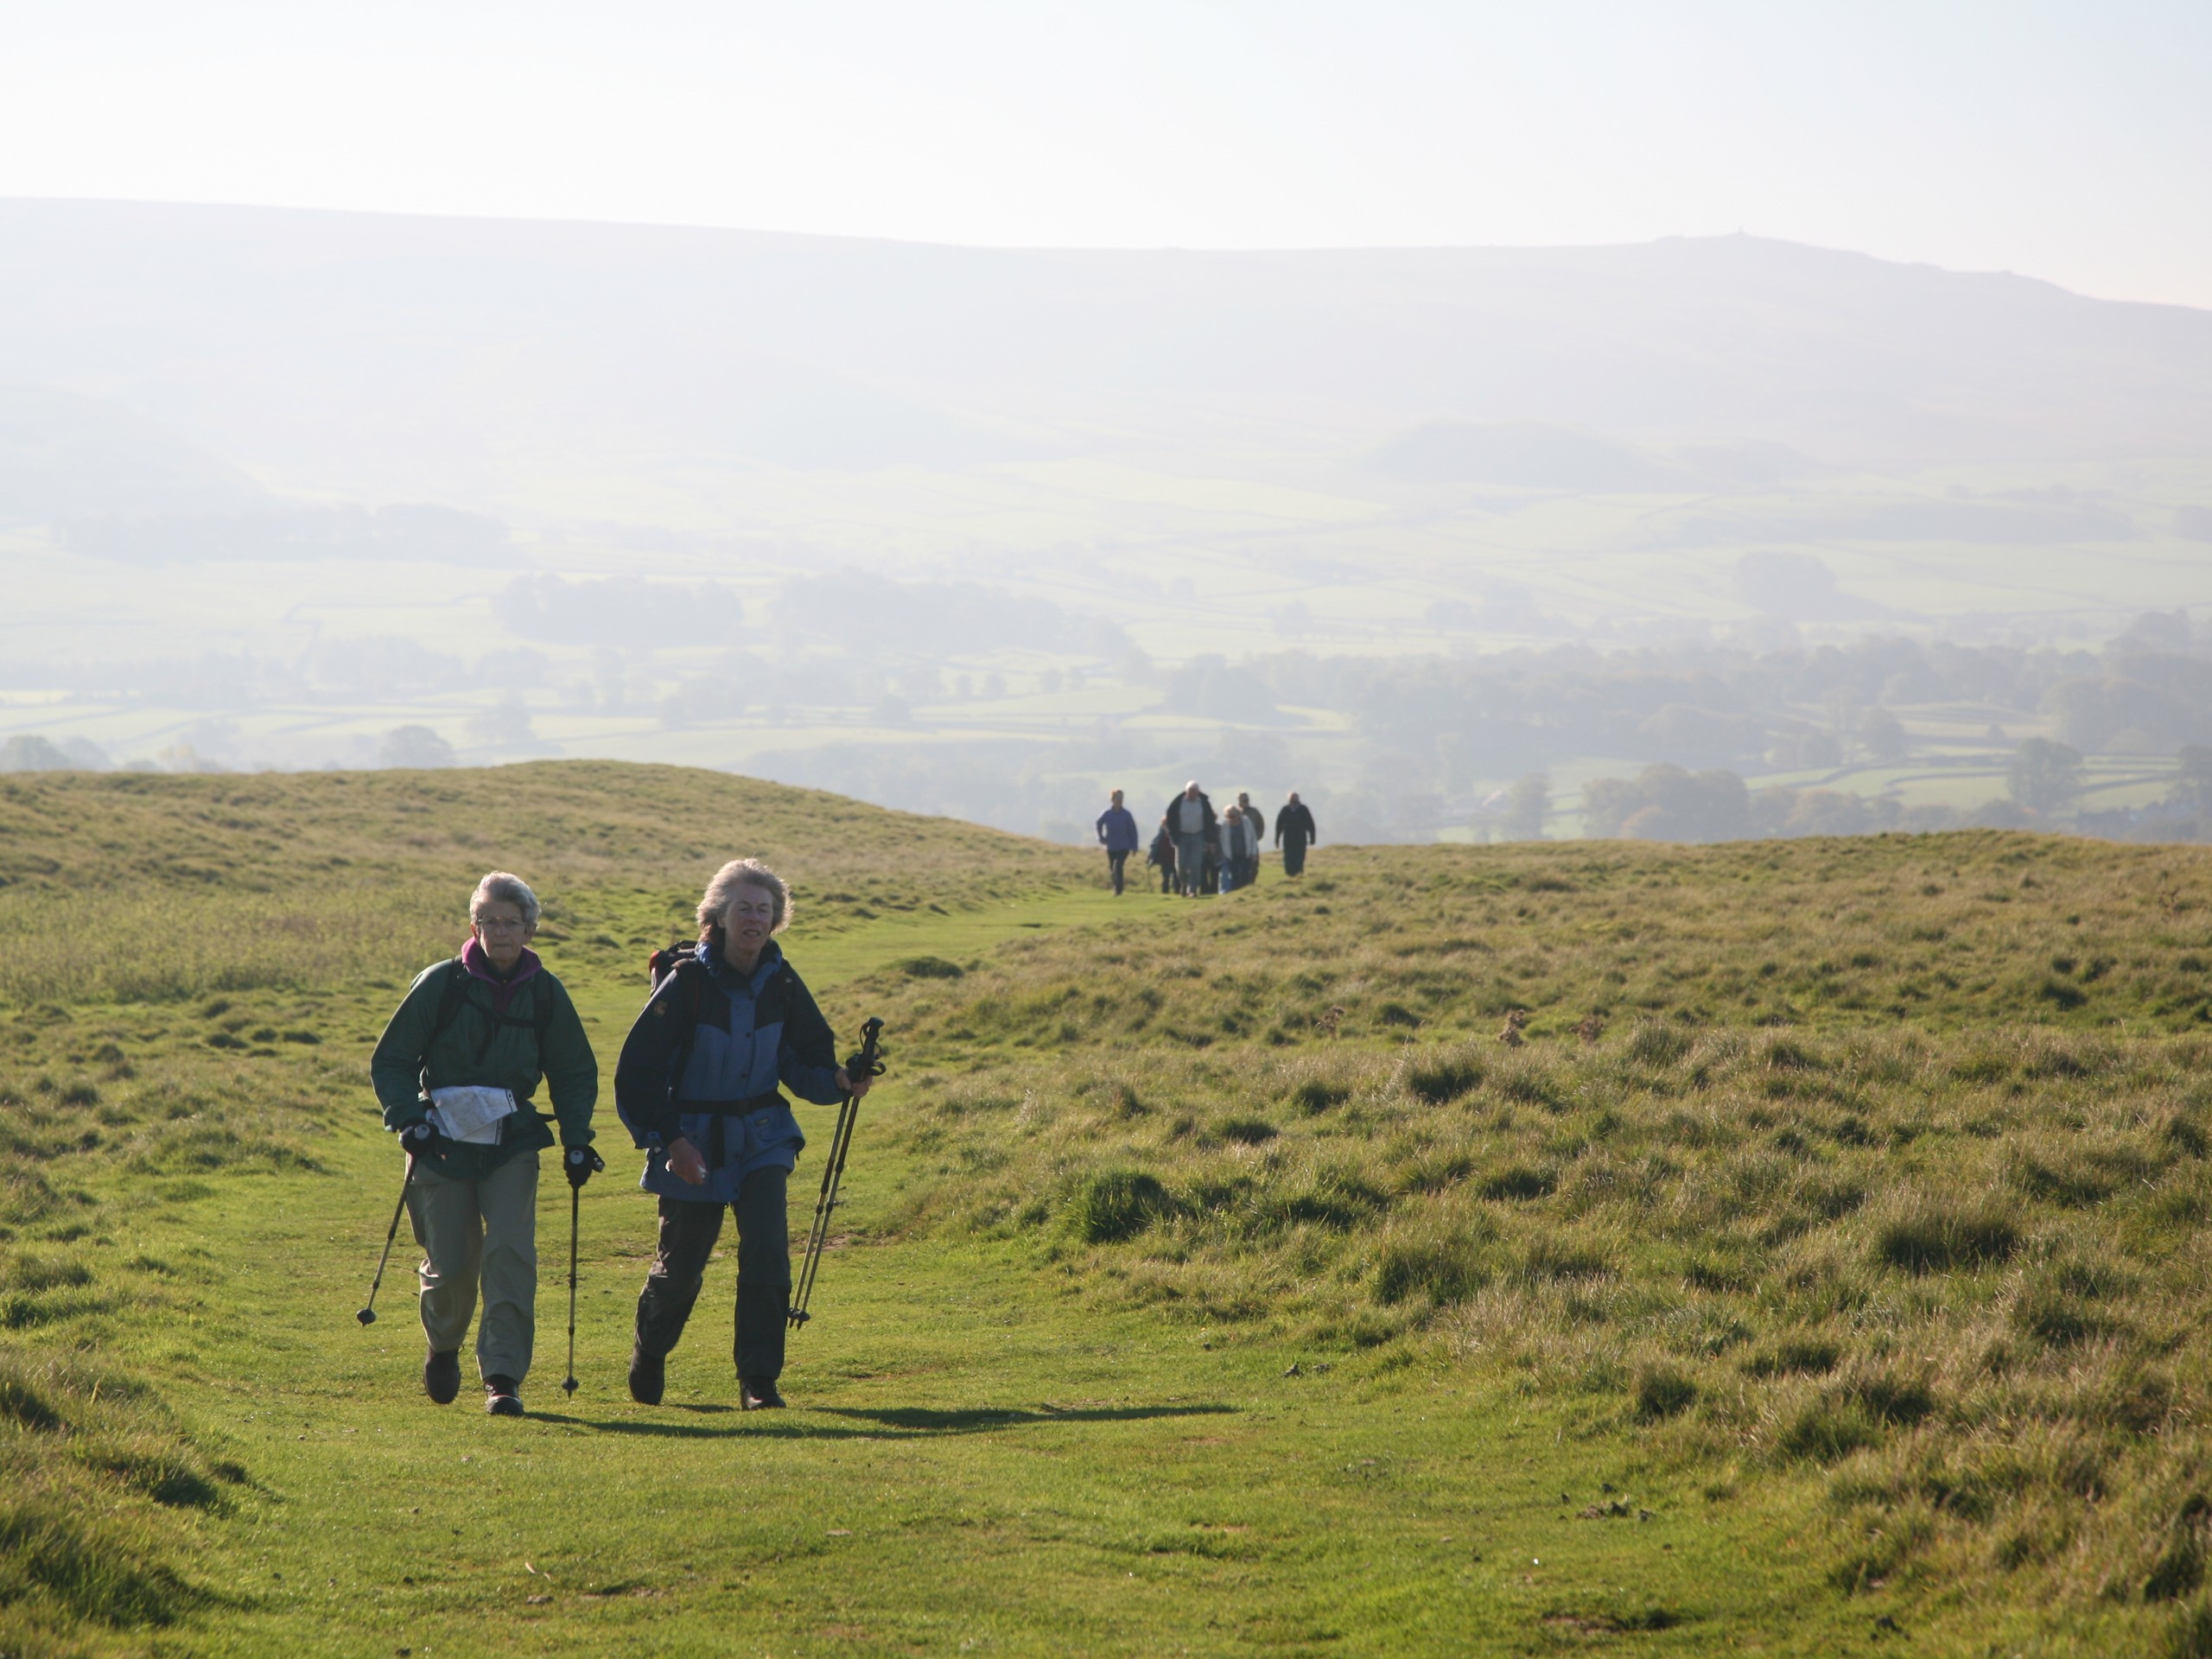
x=1820 y=1265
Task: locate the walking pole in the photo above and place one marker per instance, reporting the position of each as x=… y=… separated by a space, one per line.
x=368 y=1313
x=862 y=1064
x=569 y=1382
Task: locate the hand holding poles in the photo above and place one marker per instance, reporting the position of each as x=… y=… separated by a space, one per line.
x=581 y=1163
x=859 y=1069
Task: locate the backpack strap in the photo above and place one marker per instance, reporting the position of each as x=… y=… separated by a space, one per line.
x=686 y=970
x=453 y=997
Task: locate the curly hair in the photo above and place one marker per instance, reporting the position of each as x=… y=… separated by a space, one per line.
x=722 y=890
x=499 y=888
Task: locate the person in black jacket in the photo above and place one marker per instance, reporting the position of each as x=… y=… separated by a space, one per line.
x=1256 y=818
x=1163 y=854
x=1294 y=831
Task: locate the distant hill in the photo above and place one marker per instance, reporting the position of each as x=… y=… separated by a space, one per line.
x=1525 y=454
x=460 y=359
x=63 y=454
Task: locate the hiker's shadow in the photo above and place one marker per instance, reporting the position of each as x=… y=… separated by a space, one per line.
x=897 y=1423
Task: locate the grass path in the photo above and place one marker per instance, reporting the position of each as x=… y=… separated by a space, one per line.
x=976 y=1461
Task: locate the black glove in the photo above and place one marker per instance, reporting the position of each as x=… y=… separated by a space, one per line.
x=421 y=1140
x=581 y=1163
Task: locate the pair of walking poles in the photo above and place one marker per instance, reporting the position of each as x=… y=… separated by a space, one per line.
x=368 y=1313
x=868 y=1063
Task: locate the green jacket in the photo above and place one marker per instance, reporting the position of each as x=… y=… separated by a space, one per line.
x=510 y=1061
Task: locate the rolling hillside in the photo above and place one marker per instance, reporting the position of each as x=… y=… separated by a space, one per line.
x=1816 y=1259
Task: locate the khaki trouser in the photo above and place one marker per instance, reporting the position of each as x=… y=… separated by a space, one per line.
x=480 y=1232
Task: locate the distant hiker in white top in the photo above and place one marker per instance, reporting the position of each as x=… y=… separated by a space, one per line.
x=1190 y=816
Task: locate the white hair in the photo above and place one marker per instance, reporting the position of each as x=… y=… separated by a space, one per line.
x=500 y=888
x=721 y=892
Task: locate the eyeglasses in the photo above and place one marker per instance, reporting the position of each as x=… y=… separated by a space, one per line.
x=500 y=924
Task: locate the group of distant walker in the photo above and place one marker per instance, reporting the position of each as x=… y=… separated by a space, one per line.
x=1197 y=851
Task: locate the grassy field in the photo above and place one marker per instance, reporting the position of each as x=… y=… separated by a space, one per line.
x=1818 y=1272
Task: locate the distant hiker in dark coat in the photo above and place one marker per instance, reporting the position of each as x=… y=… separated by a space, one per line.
x=454 y=1071
x=1258 y=820
x=1117 y=833
x=1294 y=831
x=1190 y=817
x=696 y=1086
x=1163 y=854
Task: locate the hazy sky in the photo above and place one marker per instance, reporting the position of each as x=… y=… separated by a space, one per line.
x=2071 y=141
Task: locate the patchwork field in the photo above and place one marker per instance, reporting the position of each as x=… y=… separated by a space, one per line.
x=1817 y=1268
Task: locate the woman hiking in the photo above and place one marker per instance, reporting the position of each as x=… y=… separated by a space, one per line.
x=697 y=1085
x=454 y=1071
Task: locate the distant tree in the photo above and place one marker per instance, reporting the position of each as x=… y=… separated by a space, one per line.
x=1665 y=802
x=1805 y=750
x=1208 y=686
x=2193 y=776
x=2156 y=631
x=1527 y=805
x=504 y=726
x=32 y=753
x=2044 y=776
x=413 y=746
x=1884 y=735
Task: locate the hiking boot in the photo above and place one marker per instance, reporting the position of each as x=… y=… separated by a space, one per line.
x=648 y=1377
x=442 y=1375
x=502 y=1396
x=757 y=1393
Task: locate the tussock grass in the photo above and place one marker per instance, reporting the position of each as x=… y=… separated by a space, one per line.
x=1829 y=1188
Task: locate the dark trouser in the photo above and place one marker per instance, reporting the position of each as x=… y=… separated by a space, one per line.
x=688 y=1231
x=1113 y=862
x=1293 y=855
x=1168 y=876
x=1189 y=862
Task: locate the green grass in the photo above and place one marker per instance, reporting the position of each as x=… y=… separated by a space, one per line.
x=1215 y=1278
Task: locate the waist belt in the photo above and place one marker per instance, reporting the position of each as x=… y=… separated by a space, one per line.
x=733 y=1107
x=722 y=1111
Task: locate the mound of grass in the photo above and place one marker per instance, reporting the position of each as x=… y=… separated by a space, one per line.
x=1115 y=1205
x=1444 y=1082
x=929 y=968
x=1663 y=1392
x=1938 y=1238
x=1444 y=1269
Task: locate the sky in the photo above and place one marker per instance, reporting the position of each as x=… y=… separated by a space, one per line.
x=2071 y=142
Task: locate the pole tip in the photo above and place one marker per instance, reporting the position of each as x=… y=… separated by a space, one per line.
x=367 y=1316
x=568 y=1385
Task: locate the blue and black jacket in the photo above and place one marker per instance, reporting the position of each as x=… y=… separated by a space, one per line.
x=704 y=1062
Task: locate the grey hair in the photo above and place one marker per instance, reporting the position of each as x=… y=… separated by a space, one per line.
x=499 y=888
x=743 y=873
